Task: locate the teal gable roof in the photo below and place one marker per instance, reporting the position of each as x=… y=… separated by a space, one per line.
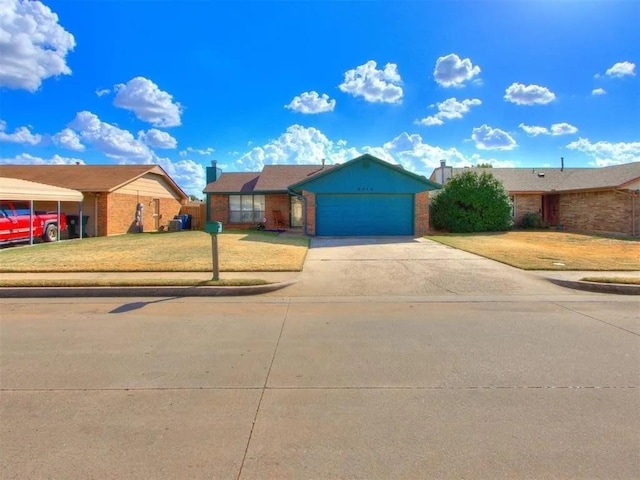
x=365 y=174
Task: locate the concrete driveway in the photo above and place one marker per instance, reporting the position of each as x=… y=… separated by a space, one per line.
x=406 y=266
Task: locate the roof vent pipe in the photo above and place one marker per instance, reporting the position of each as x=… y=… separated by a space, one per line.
x=562 y=164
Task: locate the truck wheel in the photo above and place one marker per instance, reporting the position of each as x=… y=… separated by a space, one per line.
x=50 y=233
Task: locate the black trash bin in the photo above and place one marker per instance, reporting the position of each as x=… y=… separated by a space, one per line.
x=72 y=226
x=186 y=221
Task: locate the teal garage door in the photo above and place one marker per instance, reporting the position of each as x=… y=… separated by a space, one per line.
x=358 y=214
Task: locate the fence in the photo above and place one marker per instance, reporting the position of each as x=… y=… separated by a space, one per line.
x=197 y=212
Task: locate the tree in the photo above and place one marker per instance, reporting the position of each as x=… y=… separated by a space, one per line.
x=472 y=202
x=193 y=198
x=484 y=165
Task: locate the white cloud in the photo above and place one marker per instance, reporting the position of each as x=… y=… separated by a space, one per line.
x=372 y=84
x=103 y=91
x=487 y=138
x=20 y=135
x=311 y=102
x=198 y=151
x=528 y=94
x=556 y=129
x=114 y=142
x=452 y=71
x=534 y=130
x=563 y=129
x=190 y=175
x=33 y=45
x=26 y=159
x=607 y=153
x=150 y=104
x=69 y=139
x=450 y=109
x=598 y=91
x=622 y=69
x=157 y=139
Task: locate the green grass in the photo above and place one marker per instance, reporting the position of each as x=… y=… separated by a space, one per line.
x=187 y=251
x=549 y=250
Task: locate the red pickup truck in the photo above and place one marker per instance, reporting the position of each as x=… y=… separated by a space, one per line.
x=14 y=223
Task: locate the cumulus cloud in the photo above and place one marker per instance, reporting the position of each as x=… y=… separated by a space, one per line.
x=622 y=69
x=449 y=109
x=528 y=94
x=598 y=91
x=112 y=141
x=487 y=138
x=607 y=153
x=26 y=159
x=555 y=129
x=157 y=139
x=33 y=45
x=20 y=135
x=452 y=71
x=311 y=102
x=188 y=174
x=197 y=151
x=102 y=92
x=150 y=104
x=372 y=84
x=69 y=139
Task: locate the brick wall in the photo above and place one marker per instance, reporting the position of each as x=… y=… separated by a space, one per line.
x=421 y=213
x=526 y=203
x=310 y=201
x=277 y=202
x=121 y=214
x=606 y=212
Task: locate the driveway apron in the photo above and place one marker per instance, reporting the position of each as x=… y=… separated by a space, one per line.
x=358 y=266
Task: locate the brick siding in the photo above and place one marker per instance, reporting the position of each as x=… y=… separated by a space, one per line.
x=605 y=212
x=421 y=213
x=119 y=210
x=526 y=203
x=310 y=201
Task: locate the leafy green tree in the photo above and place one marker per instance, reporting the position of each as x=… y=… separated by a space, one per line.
x=484 y=165
x=471 y=202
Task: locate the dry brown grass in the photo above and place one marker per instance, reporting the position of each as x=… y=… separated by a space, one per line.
x=113 y=282
x=549 y=250
x=619 y=280
x=187 y=251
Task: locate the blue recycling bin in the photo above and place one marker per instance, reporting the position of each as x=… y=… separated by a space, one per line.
x=186 y=221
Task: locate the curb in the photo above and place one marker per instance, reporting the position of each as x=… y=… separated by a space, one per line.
x=616 y=288
x=204 y=291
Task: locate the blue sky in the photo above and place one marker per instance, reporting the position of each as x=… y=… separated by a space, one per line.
x=181 y=83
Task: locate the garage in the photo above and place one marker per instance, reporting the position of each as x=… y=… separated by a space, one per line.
x=365 y=196
x=364 y=214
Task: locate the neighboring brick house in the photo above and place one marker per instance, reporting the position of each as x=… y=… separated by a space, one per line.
x=604 y=200
x=111 y=194
x=364 y=196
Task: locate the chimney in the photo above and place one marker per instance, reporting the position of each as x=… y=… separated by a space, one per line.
x=443 y=163
x=213 y=172
x=323 y=162
x=562 y=164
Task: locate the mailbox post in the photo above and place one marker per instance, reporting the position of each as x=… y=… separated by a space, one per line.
x=214 y=228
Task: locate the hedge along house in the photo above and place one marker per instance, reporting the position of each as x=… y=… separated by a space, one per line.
x=604 y=200
x=364 y=196
x=111 y=193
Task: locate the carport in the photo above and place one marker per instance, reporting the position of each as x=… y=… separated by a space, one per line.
x=22 y=190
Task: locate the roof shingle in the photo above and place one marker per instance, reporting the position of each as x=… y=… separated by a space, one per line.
x=273 y=178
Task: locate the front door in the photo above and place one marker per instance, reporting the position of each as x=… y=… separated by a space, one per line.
x=156 y=214
x=296 y=211
x=550 y=209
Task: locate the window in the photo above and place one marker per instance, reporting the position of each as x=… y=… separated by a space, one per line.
x=246 y=208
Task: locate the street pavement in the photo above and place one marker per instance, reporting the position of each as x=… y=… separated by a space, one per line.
x=371 y=387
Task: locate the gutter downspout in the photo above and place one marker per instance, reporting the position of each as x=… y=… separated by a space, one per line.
x=304 y=209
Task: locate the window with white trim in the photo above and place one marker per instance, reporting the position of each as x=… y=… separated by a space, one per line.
x=246 y=208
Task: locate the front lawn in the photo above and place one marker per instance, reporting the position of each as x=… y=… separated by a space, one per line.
x=186 y=251
x=549 y=250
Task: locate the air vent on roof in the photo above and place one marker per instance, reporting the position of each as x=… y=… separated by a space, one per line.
x=541 y=174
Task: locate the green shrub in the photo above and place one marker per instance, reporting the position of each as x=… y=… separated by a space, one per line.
x=472 y=203
x=532 y=220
